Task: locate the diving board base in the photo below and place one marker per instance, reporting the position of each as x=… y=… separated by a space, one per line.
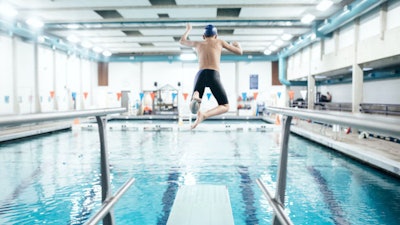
x=201 y=205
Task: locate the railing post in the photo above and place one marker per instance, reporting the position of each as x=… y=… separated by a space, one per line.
x=105 y=168
x=282 y=169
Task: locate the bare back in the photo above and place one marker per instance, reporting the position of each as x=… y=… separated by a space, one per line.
x=209 y=53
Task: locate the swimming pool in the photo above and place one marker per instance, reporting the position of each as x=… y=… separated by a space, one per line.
x=54 y=179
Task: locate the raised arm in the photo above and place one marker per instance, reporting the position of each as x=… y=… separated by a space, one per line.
x=184 y=40
x=234 y=47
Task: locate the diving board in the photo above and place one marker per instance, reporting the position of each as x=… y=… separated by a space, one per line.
x=201 y=205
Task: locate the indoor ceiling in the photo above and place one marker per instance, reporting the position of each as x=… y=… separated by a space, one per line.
x=154 y=27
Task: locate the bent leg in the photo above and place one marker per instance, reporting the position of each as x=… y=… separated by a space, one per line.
x=195 y=103
x=201 y=116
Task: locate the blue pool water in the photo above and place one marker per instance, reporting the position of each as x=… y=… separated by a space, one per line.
x=54 y=179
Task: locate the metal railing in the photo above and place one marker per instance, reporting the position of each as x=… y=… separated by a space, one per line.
x=378 y=124
x=108 y=200
x=109 y=203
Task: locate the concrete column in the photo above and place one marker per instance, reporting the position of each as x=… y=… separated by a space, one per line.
x=336 y=40
x=15 y=98
x=55 y=100
x=237 y=83
x=310 y=84
x=68 y=88
x=141 y=77
x=93 y=73
x=37 y=106
x=81 y=97
x=383 y=17
x=358 y=75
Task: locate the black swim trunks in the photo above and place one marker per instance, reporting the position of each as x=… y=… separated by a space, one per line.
x=210 y=78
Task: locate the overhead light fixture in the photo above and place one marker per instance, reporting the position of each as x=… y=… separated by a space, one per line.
x=286 y=37
x=97 y=49
x=7 y=10
x=41 y=39
x=86 y=44
x=267 y=52
x=107 y=53
x=313 y=36
x=346 y=9
x=324 y=5
x=278 y=42
x=72 y=38
x=188 y=56
x=308 y=18
x=34 y=22
x=320 y=76
x=273 y=48
x=73 y=26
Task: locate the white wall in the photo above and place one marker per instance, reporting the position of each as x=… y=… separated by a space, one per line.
x=382 y=91
x=46 y=78
x=61 y=92
x=127 y=76
x=377 y=40
x=6 y=84
x=377 y=91
x=25 y=71
x=56 y=72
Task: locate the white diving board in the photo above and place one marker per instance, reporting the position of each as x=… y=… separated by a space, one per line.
x=201 y=205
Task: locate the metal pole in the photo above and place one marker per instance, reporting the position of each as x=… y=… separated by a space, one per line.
x=105 y=208
x=282 y=169
x=105 y=172
x=278 y=209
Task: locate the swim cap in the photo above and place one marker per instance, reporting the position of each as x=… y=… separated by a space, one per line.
x=210 y=30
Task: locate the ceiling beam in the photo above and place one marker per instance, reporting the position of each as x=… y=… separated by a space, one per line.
x=116 y=6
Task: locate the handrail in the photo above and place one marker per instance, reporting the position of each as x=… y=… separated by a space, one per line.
x=100 y=114
x=109 y=203
x=52 y=116
x=382 y=125
x=278 y=209
x=377 y=123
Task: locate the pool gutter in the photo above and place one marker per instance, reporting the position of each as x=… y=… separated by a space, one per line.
x=358 y=152
x=18 y=132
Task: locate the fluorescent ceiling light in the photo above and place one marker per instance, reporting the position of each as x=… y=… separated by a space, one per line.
x=273 y=48
x=41 y=39
x=308 y=18
x=286 y=37
x=72 y=38
x=346 y=9
x=267 y=52
x=97 y=49
x=7 y=10
x=188 y=56
x=313 y=36
x=278 y=42
x=86 y=44
x=107 y=53
x=324 y=5
x=34 y=22
x=73 y=26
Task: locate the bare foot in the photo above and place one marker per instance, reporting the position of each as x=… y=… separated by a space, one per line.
x=200 y=118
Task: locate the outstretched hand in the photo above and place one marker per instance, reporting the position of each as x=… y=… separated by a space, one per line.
x=188 y=27
x=236 y=44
